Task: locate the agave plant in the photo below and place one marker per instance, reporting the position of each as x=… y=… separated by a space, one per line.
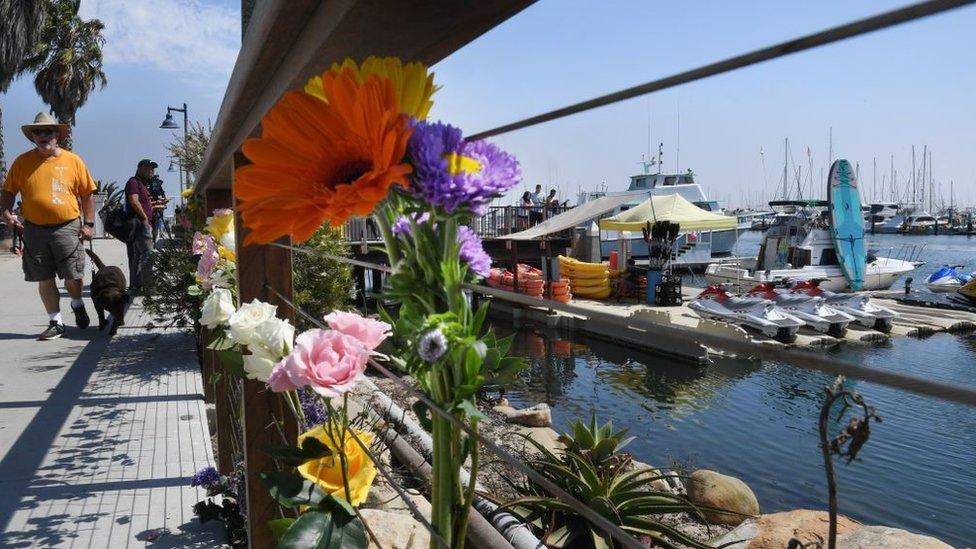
x=597 y=443
x=592 y=470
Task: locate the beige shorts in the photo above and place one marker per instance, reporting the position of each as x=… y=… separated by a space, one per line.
x=53 y=250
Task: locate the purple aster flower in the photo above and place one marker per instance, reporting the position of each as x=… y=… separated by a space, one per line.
x=432 y=346
x=472 y=252
x=402 y=225
x=315 y=413
x=452 y=174
x=208 y=478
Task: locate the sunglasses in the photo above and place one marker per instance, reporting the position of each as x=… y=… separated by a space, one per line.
x=43 y=132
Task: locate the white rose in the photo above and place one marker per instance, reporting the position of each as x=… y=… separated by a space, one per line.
x=258 y=367
x=229 y=241
x=247 y=318
x=273 y=339
x=221 y=279
x=217 y=308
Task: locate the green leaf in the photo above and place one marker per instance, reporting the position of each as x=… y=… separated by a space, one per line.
x=291 y=490
x=221 y=343
x=470 y=409
x=312 y=448
x=278 y=526
x=232 y=360
x=423 y=415
x=318 y=530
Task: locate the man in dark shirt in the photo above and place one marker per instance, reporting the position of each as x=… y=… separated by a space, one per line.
x=140 y=207
x=158 y=197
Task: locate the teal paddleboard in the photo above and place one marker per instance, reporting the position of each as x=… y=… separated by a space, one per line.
x=847 y=222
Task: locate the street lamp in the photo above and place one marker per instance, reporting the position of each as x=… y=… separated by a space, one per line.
x=170 y=124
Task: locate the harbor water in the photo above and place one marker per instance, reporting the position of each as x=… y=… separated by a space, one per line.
x=758 y=420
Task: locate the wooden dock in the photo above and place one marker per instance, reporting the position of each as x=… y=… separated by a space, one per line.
x=912 y=321
x=99 y=437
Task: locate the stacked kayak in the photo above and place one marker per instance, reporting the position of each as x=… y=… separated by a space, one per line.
x=530 y=283
x=587 y=280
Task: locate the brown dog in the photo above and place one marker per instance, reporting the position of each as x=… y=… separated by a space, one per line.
x=108 y=293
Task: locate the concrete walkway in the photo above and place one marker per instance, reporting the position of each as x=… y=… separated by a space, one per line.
x=98 y=437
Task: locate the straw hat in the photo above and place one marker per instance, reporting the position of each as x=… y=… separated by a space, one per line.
x=44 y=120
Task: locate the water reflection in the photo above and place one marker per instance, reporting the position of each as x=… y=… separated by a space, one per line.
x=758 y=421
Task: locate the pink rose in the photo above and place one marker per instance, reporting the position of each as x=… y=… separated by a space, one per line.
x=200 y=242
x=207 y=264
x=369 y=332
x=328 y=361
x=279 y=380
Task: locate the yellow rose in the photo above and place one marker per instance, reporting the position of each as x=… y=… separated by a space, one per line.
x=227 y=254
x=220 y=224
x=187 y=193
x=327 y=471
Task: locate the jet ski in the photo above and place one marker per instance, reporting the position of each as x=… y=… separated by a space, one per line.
x=968 y=291
x=751 y=312
x=947 y=279
x=866 y=313
x=813 y=310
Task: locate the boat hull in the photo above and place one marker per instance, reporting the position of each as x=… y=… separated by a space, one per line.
x=878 y=275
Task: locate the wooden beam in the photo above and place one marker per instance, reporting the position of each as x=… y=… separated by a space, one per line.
x=289 y=41
x=258 y=268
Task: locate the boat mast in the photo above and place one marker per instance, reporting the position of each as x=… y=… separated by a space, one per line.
x=930 y=183
x=891 y=178
x=925 y=157
x=914 y=192
x=786 y=161
x=874 y=180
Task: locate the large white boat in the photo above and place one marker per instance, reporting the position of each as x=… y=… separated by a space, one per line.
x=642 y=186
x=798 y=247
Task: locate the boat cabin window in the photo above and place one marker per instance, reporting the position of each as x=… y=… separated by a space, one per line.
x=828 y=257
x=640 y=183
x=686 y=180
x=792 y=230
x=670 y=179
x=800 y=257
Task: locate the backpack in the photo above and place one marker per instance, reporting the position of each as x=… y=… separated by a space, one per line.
x=119 y=223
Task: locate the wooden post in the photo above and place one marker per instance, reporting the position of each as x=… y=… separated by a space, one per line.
x=216 y=384
x=258 y=268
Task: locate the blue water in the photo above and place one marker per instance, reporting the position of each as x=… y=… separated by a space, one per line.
x=758 y=421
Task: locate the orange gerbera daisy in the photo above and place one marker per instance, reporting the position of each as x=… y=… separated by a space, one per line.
x=319 y=161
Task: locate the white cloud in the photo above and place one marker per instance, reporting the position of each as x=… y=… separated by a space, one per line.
x=188 y=37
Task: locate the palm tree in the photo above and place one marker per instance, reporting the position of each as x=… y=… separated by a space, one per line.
x=23 y=21
x=69 y=61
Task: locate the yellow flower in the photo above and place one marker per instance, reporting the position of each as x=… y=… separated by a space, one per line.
x=187 y=193
x=220 y=224
x=412 y=84
x=327 y=471
x=227 y=254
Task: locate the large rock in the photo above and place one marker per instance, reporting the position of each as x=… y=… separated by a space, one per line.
x=395 y=530
x=776 y=530
x=885 y=537
x=724 y=492
x=536 y=416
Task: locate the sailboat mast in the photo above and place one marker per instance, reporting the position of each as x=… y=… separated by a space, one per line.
x=786 y=161
x=874 y=180
x=891 y=178
x=914 y=193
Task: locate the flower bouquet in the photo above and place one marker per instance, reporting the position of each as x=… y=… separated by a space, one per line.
x=356 y=142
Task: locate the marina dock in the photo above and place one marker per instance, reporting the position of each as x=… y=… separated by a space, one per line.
x=637 y=320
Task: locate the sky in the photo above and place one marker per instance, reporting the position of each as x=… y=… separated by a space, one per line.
x=877 y=95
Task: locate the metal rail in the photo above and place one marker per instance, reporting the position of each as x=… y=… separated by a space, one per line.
x=810 y=41
x=800 y=359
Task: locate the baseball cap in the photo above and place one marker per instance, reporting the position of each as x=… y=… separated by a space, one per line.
x=147 y=162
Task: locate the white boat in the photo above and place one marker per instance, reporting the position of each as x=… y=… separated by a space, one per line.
x=642 y=186
x=798 y=247
x=919 y=223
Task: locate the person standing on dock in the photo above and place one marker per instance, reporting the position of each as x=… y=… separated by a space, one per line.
x=59 y=213
x=538 y=201
x=140 y=207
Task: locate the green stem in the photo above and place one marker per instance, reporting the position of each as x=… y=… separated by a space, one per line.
x=469 y=496
x=340 y=444
x=392 y=246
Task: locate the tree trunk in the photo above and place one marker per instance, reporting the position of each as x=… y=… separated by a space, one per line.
x=67 y=142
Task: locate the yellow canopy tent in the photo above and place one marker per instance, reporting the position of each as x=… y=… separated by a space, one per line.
x=674 y=208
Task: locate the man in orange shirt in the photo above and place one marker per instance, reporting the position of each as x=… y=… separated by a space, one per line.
x=52 y=183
